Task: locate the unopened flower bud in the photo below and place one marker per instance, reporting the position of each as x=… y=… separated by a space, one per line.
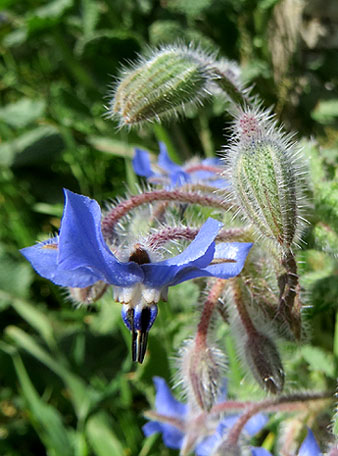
x=88 y=295
x=264 y=361
x=163 y=85
x=266 y=178
x=201 y=373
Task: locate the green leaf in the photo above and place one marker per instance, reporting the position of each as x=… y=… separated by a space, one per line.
x=335 y=424
x=326 y=111
x=37 y=145
x=101 y=437
x=335 y=340
x=319 y=360
x=22 y=113
x=192 y=8
x=90 y=16
x=37 y=319
x=112 y=146
x=46 y=419
x=15 y=278
x=48 y=15
x=106 y=320
x=81 y=395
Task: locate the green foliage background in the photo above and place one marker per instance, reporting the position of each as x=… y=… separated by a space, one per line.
x=68 y=386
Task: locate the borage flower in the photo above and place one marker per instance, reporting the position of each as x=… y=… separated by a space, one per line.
x=308 y=448
x=188 y=430
x=170 y=174
x=79 y=257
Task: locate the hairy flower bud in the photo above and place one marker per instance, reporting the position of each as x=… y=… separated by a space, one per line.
x=264 y=361
x=88 y=295
x=201 y=369
x=266 y=177
x=172 y=78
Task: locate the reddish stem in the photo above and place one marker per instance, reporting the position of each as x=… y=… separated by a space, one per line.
x=241 y=309
x=170 y=233
x=200 y=167
x=121 y=209
x=208 y=308
x=270 y=405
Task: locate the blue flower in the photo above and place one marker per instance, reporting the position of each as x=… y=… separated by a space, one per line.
x=174 y=421
x=170 y=174
x=308 y=448
x=79 y=257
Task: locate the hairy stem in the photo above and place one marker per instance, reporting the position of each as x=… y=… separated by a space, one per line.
x=121 y=209
x=172 y=233
x=280 y=403
x=289 y=302
x=208 y=308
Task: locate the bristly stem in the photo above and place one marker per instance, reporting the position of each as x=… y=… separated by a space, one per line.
x=268 y=405
x=289 y=302
x=240 y=306
x=121 y=209
x=171 y=233
x=230 y=89
x=208 y=308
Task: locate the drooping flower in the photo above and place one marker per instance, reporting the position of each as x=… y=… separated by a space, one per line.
x=308 y=448
x=79 y=257
x=189 y=429
x=166 y=172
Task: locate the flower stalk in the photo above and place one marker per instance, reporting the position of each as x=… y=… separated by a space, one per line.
x=282 y=403
x=121 y=209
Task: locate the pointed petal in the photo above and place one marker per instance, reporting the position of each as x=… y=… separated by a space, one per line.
x=43 y=258
x=141 y=163
x=172 y=437
x=165 y=162
x=165 y=403
x=309 y=447
x=237 y=251
x=81 y=244
x=197 y=255
x=176 y=172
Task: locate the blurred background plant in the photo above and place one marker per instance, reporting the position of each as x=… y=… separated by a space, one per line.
x=68 y=386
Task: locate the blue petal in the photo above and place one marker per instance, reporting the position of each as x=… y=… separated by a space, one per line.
x=309 y=446
x=176 y=172
x=166 y=163
x=165 y=403
x=206 y=447
x=213 y=161
x=44 y=261
x=255 y=451
x=151 y=427
x=180 y=178
x=141 y=163
x=223 y=391
x=172 y=437
x=256 y=424
x=198 y=254
x=81 y=243
x=82 y=257
x=237 y=251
